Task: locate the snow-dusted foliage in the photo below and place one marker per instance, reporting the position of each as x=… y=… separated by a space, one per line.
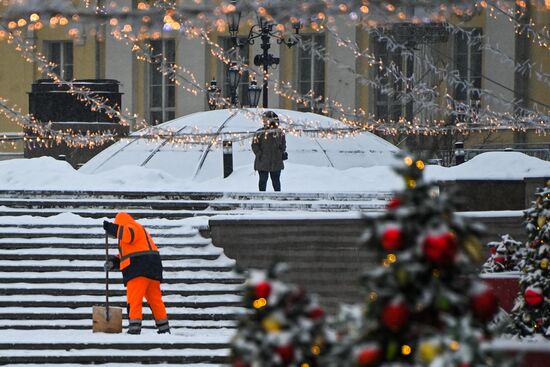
x=284 y=326
x=423 y=305
x=531 y=312
x=505 y=255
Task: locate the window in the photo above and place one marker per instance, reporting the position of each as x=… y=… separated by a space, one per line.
x=235 y=53
x=61 y=54
x=388 y=104
x=311 y=71
x=468 y=61
x=162 y=90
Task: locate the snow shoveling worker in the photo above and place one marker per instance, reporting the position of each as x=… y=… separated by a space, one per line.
x=139 y=260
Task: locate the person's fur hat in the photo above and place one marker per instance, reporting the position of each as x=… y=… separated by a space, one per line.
x=272 y=118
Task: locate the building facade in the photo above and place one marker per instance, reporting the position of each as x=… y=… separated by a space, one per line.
x=333 y=77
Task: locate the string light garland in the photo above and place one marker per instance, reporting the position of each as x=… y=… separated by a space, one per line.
x=489 y=117
x=356 y=118
x=528 y=120
x=46 y=136
x=88 y=97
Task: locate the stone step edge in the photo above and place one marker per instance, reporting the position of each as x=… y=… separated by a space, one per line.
x=151 y=344
x=98 y=359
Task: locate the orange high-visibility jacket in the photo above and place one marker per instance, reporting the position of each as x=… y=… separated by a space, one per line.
x=139 y=255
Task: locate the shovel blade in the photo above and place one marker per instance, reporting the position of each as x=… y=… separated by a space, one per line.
x=104 y=324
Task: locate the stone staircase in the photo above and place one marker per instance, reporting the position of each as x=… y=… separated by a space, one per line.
x=51 y=271
x=178 y=205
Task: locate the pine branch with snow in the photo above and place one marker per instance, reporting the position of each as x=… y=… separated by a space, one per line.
x=505 y=255
x=531 y=312
x=284 y=326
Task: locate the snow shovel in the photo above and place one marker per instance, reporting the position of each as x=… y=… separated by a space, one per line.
x=107 y=319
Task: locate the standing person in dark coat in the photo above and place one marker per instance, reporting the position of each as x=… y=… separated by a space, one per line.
x=268 y=146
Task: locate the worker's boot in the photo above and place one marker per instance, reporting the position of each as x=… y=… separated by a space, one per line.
x=134 y=327
x=162 y=326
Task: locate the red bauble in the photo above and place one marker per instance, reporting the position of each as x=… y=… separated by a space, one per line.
x=395 y=316
x=500 y=259
x=316 y=313
x=440 y=249
x=533 y=296
x=394 y=203
x=240 y=363
x=286 y=352
x=368 y=356
x=392 y=239
x=493 y=250
x=262 y=290
x=484 y=304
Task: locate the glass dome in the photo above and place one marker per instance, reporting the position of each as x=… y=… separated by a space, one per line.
x=203 y=161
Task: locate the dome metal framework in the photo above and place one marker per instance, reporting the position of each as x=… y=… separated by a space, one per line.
x=202 y=161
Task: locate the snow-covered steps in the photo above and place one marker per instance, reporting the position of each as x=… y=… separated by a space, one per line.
x=176 y=205
x=199 y=196
x=51 y=270
x=183 y=346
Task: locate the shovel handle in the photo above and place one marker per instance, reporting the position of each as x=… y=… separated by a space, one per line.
x=106 y=277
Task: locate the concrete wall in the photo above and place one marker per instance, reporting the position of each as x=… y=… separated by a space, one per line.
x=481 y=195
x=325 y=255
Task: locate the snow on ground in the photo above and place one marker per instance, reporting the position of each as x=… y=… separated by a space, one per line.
x=46 y=173
x=493 y=166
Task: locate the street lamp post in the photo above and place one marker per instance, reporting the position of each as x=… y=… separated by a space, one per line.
x=254 y=92
x=263 y=30
x=234 y=76
x=213 y=92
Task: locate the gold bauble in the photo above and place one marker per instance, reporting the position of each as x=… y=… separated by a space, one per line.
x=428 y=351
x=541 y=220
x=402 y=276
x=544 y=264
x=473 y=248
x=410 y=182
x=271 y=325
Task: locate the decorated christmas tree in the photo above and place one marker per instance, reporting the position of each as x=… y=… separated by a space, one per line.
x=284 y=326
x=505 y=255
x=531 y=312
x=424 y=304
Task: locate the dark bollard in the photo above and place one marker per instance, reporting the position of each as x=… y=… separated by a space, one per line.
x=227 y=146
x=460 y=154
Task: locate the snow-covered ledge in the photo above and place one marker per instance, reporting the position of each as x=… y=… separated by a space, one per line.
x=531 y=352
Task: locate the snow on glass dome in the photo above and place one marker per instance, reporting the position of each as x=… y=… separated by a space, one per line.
x=203 y=161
